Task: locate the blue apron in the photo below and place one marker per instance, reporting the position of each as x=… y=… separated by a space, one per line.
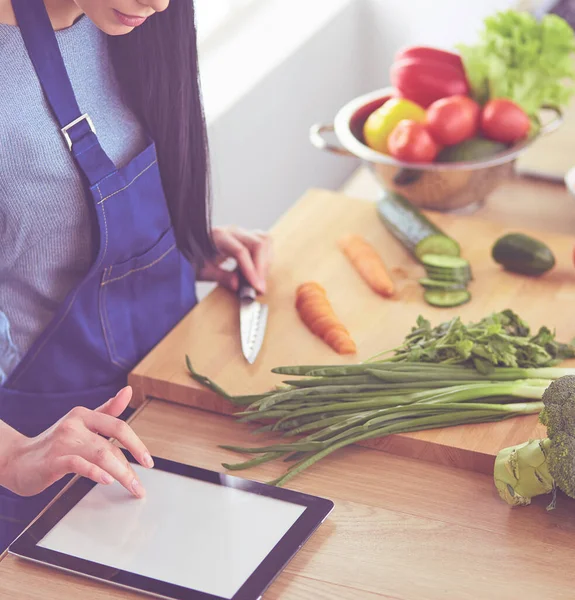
x=139 y=286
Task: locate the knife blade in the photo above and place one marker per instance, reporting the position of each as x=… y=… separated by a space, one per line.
x=253 y=320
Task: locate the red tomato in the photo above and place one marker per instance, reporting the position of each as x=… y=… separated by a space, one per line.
x=504 y=121
x=411 y=142
x=453 y=120
x=425 y=81
x=428 y=54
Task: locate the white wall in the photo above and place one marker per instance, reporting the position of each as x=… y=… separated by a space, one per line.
x=261 y=155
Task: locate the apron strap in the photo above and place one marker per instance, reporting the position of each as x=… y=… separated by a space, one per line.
x=77 y=128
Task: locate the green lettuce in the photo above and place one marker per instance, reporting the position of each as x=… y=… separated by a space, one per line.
x=525 y=60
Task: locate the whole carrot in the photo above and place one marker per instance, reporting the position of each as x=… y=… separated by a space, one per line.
x=318 y=315
x=368 y=263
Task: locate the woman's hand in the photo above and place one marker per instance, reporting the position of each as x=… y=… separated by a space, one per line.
x=252 y=250
x=73 y=445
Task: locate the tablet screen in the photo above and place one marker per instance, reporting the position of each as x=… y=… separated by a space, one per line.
x=186 y=532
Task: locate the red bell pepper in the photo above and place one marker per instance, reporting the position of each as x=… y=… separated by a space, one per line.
x=424 y=75
x=431 y=54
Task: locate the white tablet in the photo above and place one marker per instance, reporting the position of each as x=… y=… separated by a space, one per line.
x=198 y=534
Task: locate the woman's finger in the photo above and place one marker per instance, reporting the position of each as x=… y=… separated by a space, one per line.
x=80 y=466
x=117 y=405
x=241 y=253
x=109 y=426
x=262 y=254
x=104 y=456
x=250 y=250
x=121 y=458
x=260 y=247
x=225 y=278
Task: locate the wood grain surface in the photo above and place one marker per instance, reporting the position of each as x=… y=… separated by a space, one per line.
x=401 y=529
x=306 y=249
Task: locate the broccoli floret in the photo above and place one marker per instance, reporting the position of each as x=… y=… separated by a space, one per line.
x=561 y=459
x=534 y=468
x=559 y=412
x=559 y=417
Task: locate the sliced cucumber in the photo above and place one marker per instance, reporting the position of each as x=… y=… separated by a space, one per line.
x=437 y=284
x=456 y=270
x=454 y=276
x=446 y=281
x=440 y=261
x=450 y=269
x=447 y=298
x=437 y=244
x=466 y=269
x=447 y=273
x=407 y=223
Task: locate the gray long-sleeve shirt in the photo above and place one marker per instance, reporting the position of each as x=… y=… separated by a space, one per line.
x=46 y=243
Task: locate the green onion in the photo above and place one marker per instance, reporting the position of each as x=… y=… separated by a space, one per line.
x=449 y=375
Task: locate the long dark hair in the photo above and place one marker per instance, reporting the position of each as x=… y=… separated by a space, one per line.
x=157 y=68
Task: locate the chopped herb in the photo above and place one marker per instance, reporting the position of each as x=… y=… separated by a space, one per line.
x=500 y=340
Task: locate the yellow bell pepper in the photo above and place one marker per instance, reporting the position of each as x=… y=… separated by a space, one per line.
x=383 y=121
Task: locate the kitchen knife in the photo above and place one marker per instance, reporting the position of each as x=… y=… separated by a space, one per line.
x=253 y=319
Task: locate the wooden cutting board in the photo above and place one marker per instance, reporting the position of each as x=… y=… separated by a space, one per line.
x=305 y=249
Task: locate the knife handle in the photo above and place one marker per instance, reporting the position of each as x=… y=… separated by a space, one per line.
x=245 y=290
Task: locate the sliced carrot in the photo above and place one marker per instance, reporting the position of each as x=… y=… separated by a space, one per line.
x=368 y=263
x=317 y=313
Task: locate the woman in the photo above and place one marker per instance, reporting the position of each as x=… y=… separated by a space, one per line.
x=105 y=228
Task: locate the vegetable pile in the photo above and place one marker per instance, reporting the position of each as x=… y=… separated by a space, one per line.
x=450 y=107
x=541 y=466
x=522 y=59
x=452 y=374
x=448 y=275
x=500 y=340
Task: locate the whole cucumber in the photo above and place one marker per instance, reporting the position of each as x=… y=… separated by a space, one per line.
x=522 y=254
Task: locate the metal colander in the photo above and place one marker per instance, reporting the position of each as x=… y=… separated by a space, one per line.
x=454 y=186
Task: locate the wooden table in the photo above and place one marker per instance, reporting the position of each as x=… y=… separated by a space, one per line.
x=401 y=529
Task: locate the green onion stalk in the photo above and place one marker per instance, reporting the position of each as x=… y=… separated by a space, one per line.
x=332 y=407
x=450 y=374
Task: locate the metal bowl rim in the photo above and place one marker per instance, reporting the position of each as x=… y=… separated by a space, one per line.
x=345 y=136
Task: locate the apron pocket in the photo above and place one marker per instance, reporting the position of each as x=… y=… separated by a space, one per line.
x=143 y=298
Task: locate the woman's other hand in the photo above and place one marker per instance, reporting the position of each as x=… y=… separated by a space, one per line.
x=252 y=251
x=73 y=445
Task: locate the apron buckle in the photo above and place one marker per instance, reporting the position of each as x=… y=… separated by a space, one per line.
x=84 y=117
